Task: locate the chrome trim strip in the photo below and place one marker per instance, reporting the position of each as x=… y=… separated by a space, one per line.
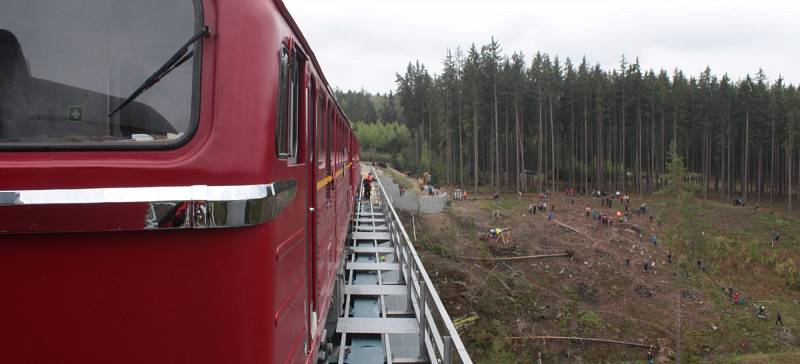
x=135 y=194
x=227 y=207
x=176 y=207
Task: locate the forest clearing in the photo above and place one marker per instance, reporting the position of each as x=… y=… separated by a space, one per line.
x=683 y=309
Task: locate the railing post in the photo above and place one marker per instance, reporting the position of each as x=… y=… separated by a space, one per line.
x=423 y=322
x=446 y=354
x=410 y=283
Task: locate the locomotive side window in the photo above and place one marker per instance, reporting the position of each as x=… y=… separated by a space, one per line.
x=72 y=73
x=294 y=103
x=329 y=147
x=320 y=128
x=340 y=139
x=338 y=143
x=282 y=127
x=329 y=142
x=343 y=141
x=287 y=122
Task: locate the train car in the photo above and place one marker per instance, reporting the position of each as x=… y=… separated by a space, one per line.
x=176 y=181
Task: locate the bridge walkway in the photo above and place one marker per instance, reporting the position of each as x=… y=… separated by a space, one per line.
x=392 y=312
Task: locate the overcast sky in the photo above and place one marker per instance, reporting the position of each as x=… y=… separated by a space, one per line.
x=364 y=43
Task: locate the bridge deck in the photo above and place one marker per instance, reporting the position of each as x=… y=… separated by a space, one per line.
x=391 y=310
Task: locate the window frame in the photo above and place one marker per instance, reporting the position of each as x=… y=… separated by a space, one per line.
x=282 y=104
x=291 y=87
x=329 y=130
x=311 y=112
x=319 y=137
x=126 y=145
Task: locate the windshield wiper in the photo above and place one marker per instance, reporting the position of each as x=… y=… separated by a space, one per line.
x=177 y=59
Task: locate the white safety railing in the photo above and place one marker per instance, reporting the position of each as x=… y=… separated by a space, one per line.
x=424 y=299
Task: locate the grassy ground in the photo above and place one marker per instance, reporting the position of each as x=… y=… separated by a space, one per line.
x=734 y=245
x=789 y=357
x=681 y=307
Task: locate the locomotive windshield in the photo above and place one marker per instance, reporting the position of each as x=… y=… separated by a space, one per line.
x=66 y=64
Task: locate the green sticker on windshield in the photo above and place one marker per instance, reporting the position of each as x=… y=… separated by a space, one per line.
x=75 y=113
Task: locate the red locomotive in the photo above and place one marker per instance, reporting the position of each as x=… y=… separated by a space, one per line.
x=176 y=183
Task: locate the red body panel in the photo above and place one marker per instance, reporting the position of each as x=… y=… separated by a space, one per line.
x=230 y=295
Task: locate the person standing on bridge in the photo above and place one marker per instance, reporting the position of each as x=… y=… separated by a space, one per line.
x=368 y=186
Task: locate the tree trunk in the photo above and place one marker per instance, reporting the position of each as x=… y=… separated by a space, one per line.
x=572 y=142
x=496 y=140
x=430 y=125
x=719 y=183
x=663 y=157
x=638 y=148
x=599 y=156
x=518 y=181
x=772 y=163
x=475 y=135
x=789 y=174
x=705 y=163
x=652 y=160
x=731 y=189
x=448 y=159
x=622 y=145
x=539 y=143
x=585 y=147
x=460 y=145
x=746 y=152
x=760 y=179
x=507 y=156
x=552 y=143
x=521 y=136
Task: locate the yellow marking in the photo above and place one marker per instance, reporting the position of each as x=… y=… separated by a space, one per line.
x=328 y=179
x=324 y=182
